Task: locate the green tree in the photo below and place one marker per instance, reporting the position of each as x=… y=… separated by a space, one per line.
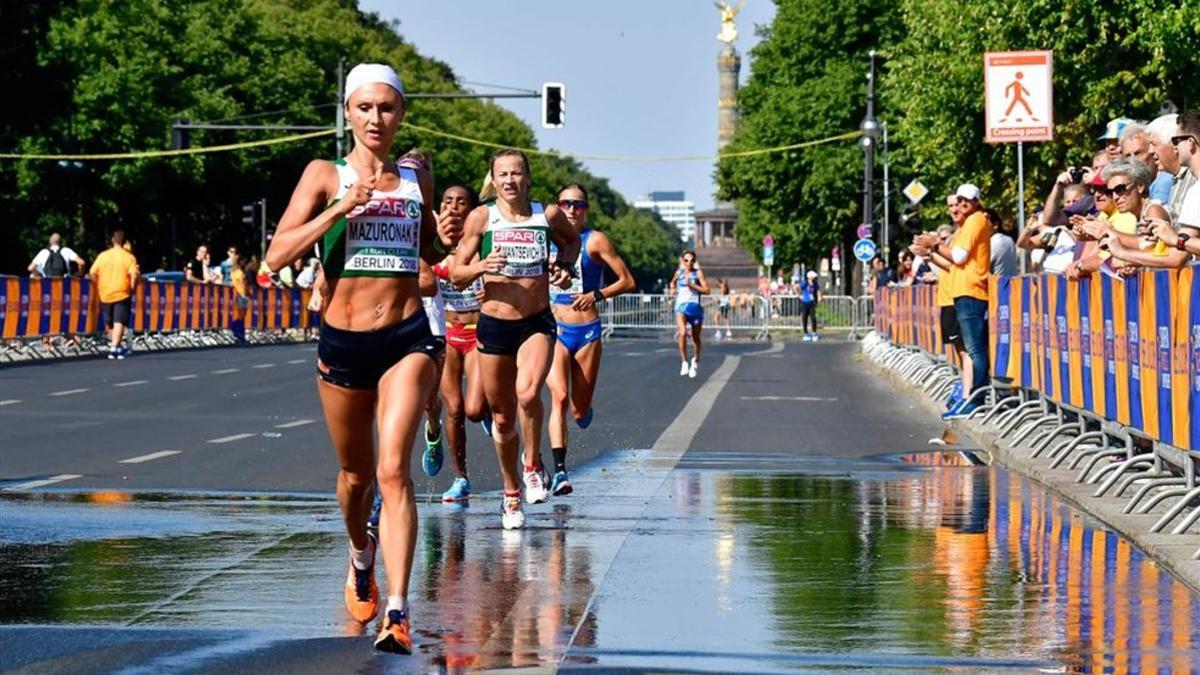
x=112 y=77
x=1110 y=59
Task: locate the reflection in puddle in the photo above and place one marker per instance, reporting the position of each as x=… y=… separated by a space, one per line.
x=937 y=566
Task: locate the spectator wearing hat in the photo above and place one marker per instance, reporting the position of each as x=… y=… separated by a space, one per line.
x=1112 y=137
x=1182 y=234
x=1136 y=145
x=970 y=254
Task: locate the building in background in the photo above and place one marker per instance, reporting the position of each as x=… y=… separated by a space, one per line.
x=674 y=208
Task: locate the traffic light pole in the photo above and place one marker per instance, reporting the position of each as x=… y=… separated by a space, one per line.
x=262 y=223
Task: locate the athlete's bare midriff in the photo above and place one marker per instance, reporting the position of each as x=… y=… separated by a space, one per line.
x=507 y=298
x=568 y=314
x=454 y=318
x=369 y=304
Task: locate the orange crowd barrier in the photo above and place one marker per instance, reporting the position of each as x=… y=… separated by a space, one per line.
x=1127 y=350
x=32 y=308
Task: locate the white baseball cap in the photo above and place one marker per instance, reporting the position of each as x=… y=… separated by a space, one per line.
x=812 y=274
x=968 y=192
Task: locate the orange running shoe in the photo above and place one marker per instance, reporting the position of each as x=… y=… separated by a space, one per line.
x=395 y=636
x=362 y=594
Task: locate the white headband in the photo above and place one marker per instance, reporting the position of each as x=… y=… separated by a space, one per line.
x=372 y=73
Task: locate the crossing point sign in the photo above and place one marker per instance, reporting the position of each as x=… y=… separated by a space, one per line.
x=1018 y=96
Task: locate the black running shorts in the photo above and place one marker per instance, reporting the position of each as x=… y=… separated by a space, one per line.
x=358 y=359
x=949 y=321
x=503 y=337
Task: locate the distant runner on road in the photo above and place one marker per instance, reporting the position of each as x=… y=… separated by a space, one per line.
x=376 y=354
x=577 y=351
x=688 y=284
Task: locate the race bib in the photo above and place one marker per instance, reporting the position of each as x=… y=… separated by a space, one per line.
x=525 y=249
x=460 y=301
x=384 y=236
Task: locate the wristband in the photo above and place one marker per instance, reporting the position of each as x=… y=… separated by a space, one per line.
x=438 y=248
x=1181 y=242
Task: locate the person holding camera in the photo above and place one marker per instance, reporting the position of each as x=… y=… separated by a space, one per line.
x=1051 y=234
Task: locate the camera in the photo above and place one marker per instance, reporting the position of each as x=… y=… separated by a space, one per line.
x=1076 y=174
x=1050 y=239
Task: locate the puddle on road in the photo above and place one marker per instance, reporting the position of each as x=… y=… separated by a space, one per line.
x=931 y=563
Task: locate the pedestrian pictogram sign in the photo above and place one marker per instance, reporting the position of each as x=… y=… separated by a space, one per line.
x=915 y=191
x=1018 y=96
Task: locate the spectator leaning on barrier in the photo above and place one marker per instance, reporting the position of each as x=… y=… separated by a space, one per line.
x=1183 y=233
x=1128 y=181
x=1135 y=145
x=55 y=260
x=227 y=266
x=196 y=271
x=1161 y=131
x=810 y=295
x=115 y=273
x=1003 y=248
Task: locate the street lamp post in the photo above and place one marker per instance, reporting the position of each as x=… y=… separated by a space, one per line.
x=871 y=131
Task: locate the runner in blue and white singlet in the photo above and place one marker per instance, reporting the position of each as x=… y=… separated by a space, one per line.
x=576 y=367
x=688 y=284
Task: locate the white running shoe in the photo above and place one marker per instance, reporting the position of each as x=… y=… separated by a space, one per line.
x=692 y=369
x=511 y=515
x=536 y=491
x=683 y=369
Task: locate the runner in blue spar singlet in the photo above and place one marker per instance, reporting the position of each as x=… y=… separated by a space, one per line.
x=375 y=354
x=508 y=244
x=688 y=284
x=577 y=355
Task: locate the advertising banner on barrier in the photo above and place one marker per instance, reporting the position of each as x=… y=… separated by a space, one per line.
x=1127 y=350
x=33 y=308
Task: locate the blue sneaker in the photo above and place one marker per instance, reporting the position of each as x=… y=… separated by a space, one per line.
x=955 y=394
x=961 y=410
x=586 y=421
x=486 y=423
x=460 y=490
x=561 y=485
x=431 y=460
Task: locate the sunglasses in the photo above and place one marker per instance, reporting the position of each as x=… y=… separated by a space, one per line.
x=1176 y=140
x=1121 y=189
x=577 y=204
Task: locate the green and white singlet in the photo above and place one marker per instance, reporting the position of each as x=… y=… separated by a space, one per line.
x=526 y=244
x=379 y=239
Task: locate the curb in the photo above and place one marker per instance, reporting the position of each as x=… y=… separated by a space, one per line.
x=1174 y=552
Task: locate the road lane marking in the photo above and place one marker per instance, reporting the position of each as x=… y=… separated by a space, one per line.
x=295 y=423
x=790 y=398
x=263 y=365
x=298 y=361
x=176 y=378
x=230 y=439
x=68 y=392
x=10 y=401
x=35 y=484
x=131 y=383
x=146 y=458
x=224 y=371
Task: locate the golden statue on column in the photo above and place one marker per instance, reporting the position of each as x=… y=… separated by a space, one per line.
x=728 y=32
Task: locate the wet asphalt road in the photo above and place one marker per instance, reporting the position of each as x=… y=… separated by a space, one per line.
x=762 y=535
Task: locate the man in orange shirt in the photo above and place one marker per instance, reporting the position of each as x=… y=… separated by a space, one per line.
x=970 y=251
x=115 y=274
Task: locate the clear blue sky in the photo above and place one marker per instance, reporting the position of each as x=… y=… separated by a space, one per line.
x=641 y=76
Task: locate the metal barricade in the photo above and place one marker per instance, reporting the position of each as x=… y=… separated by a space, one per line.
x=742 y=314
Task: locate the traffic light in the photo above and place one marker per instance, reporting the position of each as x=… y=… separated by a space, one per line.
x=554 y=97
x=181 y=139
x=250 y=214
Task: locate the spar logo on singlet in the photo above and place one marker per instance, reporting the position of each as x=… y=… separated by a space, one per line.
x=384 y=236
x=525 y=249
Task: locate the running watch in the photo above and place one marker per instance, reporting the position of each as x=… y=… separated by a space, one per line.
x=598 y=295
x=1181 y=243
